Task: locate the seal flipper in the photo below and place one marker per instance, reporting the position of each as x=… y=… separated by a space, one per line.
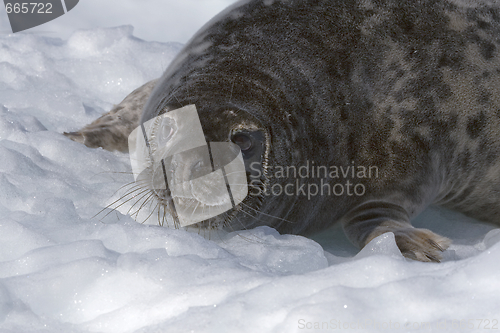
x=374 y=218
x=111 y=130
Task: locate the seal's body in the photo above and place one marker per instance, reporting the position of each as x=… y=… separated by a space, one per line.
x=400 y=98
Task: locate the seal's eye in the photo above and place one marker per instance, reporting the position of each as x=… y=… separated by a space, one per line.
x=243 y=140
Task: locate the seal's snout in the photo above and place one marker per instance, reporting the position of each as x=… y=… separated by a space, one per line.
x=189 y=165
x=198 y=167
x=172 y=157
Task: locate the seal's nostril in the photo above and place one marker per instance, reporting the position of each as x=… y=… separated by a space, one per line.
x=198 y=169
x=198 y=165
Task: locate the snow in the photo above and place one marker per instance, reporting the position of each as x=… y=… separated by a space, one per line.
x=63 y=269
x=156 y=20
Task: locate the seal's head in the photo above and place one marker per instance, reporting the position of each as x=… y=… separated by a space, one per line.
x=199 y=173
x=230 y=110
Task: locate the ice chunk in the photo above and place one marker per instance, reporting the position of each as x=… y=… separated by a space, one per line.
x=382 y=245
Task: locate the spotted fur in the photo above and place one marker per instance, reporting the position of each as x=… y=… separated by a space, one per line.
x=409 y=86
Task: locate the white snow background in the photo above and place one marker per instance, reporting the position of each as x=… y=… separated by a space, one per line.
x=61 y=270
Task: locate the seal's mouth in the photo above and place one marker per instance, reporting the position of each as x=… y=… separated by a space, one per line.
x=165 y=202
x=192 y=202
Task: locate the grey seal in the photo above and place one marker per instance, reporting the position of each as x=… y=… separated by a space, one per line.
x=388 y=106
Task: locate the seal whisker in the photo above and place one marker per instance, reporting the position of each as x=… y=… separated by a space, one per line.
x=132 y=185
x=148 y=194
x=135 y=188
x=151 y=201
x=148 y=197
x=265 y=214
x=177 y=100
x=240 y=222
x=115 y=208
x=194 y=209
x=163 y=218
x=157 y=209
